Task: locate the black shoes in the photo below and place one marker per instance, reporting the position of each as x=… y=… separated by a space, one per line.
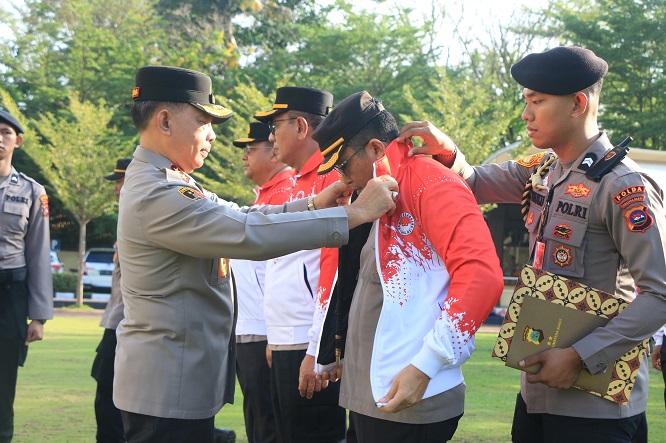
x=225 y=436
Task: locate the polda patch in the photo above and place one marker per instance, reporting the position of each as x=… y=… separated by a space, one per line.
x=45 y=205
x=191 y=194
x=638 y=218
x=627 y=192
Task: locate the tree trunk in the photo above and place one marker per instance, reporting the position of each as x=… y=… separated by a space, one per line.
x=82 y=251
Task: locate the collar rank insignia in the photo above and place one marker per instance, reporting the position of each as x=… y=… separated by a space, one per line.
x=588 y=161
x=578 y=191
x=562 y=256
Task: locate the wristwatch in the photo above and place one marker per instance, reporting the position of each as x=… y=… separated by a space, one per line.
x=311 y=206
x=41 y=321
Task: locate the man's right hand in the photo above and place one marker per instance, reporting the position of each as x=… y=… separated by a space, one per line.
x=435 y=142
x=656 y=357
x=376 y=199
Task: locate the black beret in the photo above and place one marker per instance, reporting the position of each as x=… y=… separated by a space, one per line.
x=119 y=171
x=560 y=71
x=348 y=117
x=295 y=98
x=6 y=117
x=256 y=132
x=171 y=84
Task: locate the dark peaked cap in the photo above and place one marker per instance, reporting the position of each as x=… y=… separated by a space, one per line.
x=119 y=170
x=296 y=98
x=257 y=132
x=560 y=71
x=6 y=117
x=171 y=84
x=344 y=121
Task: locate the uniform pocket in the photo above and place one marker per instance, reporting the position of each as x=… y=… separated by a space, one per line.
x=16 y=216
x=565 y=247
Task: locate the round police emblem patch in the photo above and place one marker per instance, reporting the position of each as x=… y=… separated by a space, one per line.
x=562 y=256
x=405 y=223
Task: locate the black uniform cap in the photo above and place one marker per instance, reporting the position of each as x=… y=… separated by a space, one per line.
x=348 y=117
x=560 y=71
x=296 y=98
x=171 y=84
x=256 y=132
x=119 y=171
x=6 y=117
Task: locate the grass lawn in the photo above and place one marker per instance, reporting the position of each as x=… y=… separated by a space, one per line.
x=54 y=399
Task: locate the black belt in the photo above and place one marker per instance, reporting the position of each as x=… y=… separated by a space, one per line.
x=13 y=275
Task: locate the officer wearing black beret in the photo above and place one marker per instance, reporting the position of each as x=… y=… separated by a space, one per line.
x=26 y=288
x=175 y=358
x=591 y=218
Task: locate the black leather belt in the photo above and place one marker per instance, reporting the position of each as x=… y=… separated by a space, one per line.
x=13 y=275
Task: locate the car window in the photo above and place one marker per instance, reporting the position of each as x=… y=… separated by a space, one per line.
x=100 y=257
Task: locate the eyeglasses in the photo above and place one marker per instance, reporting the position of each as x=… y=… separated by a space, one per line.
x=340 y=169
x=247 y=149
x=271 y=124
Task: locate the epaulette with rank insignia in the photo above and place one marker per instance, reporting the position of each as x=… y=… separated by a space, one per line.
x=609 y=161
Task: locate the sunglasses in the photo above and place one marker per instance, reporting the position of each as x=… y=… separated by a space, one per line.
x=271 y=124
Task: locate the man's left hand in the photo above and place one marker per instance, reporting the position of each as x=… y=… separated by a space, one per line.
x=335 y=194
x=308 y=382
x=406 y=390
x=35 y=332
x=560 y=368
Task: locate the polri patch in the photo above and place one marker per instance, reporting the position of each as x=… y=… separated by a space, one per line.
x=578 y=191
x=638 y=218
x=45 y=205
x=562 y=256
x=190 y=193
x=531 y=160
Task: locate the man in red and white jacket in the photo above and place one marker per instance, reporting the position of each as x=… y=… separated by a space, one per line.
x=298 y=285
x=429 y=276
x=274 y=184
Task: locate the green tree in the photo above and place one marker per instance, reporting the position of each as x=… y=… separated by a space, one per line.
x=631 y=36
x=74 y=155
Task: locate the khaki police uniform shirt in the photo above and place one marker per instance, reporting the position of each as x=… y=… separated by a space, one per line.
x=25 y=240
x=113 y=313
x=175 y=354
x=609 y=235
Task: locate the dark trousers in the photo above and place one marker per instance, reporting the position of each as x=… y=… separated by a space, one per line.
x=109 y=421
x=254 y=378
x=549 y=428
x=141 y=428
x=663 y=366
x=299 y=420
x=13 y=330
x=364 y=429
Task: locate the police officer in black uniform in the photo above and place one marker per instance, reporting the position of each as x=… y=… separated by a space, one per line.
x=26 y=287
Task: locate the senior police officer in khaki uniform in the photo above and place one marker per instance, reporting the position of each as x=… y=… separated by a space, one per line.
x=175 y=355
x=26 y=288
x=607 y=232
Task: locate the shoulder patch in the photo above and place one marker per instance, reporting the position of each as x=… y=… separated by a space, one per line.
x=638 y=218
x=531 y=160
x=45 y=205
x=628 y=192
x=190 y=193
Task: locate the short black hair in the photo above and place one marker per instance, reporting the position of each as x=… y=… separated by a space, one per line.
x=142 y=111
x=383 y=127
x=313 y=120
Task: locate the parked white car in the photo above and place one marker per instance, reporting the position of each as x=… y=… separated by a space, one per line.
x=57 y=267
x=97 y=270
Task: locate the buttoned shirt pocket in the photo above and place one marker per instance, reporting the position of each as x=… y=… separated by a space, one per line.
x=565 y=247
x=15 y=217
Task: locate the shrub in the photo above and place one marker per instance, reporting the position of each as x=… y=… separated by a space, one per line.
x=65 y=282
